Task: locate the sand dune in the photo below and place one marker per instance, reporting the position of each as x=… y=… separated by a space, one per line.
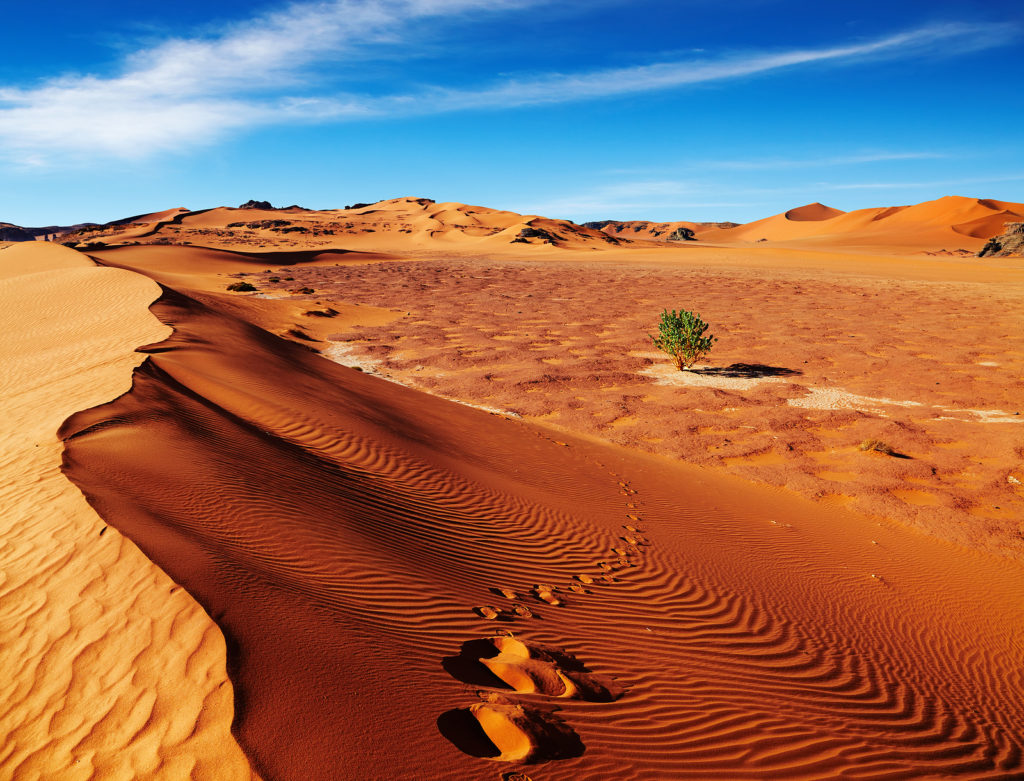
x=420 y=224
x=812 y=212
x=646 y=620
x=952 y=222
x=110 y=669
x=396 y=224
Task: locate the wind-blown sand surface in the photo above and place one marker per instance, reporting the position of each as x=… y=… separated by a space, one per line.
x=411 y=588
x=110 y=670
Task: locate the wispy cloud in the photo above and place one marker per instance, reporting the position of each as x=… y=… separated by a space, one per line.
x=636 y=198
x=267 y=71
x=561 y=88
x=821 y=162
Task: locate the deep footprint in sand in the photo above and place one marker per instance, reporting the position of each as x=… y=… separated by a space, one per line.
x=546 y=593
x=505 y=731
x=506 y=662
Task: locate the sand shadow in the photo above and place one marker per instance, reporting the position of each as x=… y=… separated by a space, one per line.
x=512 y=665
x=466 y=667
x=462 y=729
x=746 y=371
x=542 y=736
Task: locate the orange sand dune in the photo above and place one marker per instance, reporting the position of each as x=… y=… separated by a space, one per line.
x=110 y=669
x=412 y=588
x=948 y=223
x=812 y=212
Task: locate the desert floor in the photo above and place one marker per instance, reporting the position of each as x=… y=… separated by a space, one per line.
x=576 y=581
x=817 y=354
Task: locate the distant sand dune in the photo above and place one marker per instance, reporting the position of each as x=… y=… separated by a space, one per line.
x=422 y=225
x=951 y=223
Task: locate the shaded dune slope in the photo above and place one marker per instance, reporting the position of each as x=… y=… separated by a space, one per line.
x=109 y=669
x=351 y=536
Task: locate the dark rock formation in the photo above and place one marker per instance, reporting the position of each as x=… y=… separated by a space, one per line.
x=10 y=232
x=258 y=224
x=265 y=205
x=534 y=233
x=681 y=234
x=1010 y=242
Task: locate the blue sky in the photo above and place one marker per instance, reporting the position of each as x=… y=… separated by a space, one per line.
x=693 y=109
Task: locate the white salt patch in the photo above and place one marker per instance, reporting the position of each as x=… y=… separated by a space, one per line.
x=346 y=355
x=816 y=398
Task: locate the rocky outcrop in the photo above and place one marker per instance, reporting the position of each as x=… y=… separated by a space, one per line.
x=10 y=232
x=1010 y=242
x=264 y=205
x=682 y=234
x=528 y=233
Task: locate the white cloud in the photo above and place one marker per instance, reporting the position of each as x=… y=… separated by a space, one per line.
x=262 y=72
x=187 y=91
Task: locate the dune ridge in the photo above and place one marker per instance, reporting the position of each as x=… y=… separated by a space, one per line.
x=954 y=224
x=110 y=669
x=342 y=530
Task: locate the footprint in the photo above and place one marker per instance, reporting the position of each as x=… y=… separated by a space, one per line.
x=487 y=611
x=504 y=731
x=506 y=662
x=547 y=594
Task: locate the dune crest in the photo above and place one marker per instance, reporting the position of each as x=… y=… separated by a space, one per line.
x=812 y=212
x=110 y=669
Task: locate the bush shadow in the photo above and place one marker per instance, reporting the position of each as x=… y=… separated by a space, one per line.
x=746 y=371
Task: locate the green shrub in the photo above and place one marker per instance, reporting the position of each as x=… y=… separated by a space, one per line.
x=681 y=335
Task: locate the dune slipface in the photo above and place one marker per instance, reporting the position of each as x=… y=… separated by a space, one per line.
x=110 y=669
x=659 y=621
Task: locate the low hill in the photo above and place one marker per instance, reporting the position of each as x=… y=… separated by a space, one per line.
x=9 y=232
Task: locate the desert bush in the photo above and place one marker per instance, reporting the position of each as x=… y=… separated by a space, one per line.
x=241 y=287
x=877 y=446
x=681 y=335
